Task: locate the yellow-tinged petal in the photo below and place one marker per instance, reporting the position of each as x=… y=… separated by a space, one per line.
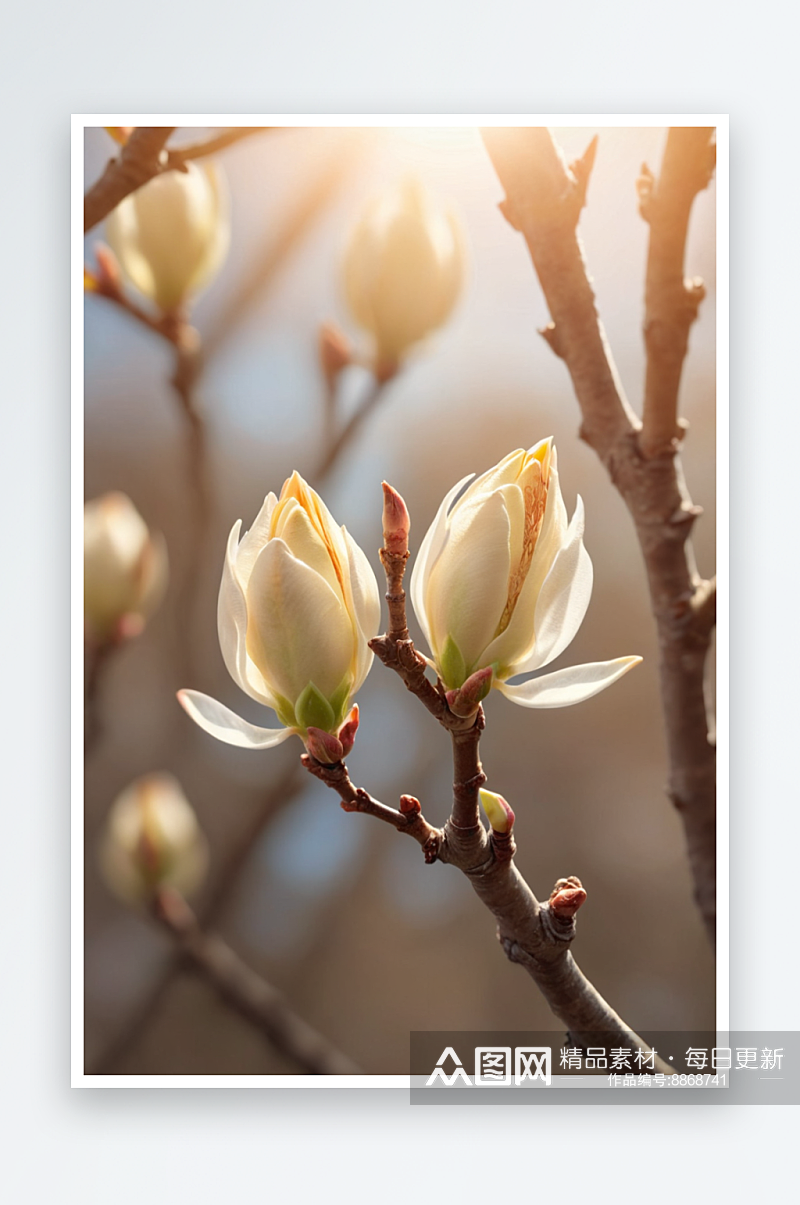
x=298 y=629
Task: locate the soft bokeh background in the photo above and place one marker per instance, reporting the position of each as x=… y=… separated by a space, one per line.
x=367 y=942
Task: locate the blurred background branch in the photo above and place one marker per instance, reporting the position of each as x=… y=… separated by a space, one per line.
x=249 y=994
x=143 y=156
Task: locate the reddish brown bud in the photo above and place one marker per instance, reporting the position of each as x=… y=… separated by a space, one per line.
x=334 y=350
x=348 y=730
x=465 y=701
x=324 y=747
x=396 y=521
x=410 y=806
x=567 y=897
x=109 y=277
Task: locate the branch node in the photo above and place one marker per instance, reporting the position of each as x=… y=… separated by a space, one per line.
x=552 y=337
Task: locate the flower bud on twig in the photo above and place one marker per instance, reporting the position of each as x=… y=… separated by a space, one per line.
x=396 y=521
x=171 y=235
x=151 y=840
x=403 y=272
x=498 y=812
x=124 y=569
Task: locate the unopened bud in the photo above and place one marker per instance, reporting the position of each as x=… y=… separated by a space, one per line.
x=403 y=271
x=567 y=897
x=324 y=747
x=396 y=521
x=152 y=840
x=172 y=234
x=410 y=806
x=109 y=275
x=498 y=812
x=334 y=350
x=124 y=569
x=348 y=730
x=465 y=701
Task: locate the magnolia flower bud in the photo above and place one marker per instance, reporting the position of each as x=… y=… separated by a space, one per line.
x=124 y=569
x=297 y=605
x=498 y=812
x=152 y=840
x=503 y=581
x=396 y=521
x=403 y=272
x=171 y=235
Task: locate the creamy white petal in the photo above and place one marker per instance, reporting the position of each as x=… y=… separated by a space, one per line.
x=563 y=598
x=220 y=722
x=254 y=540
x=366 y=605
x=232 y=627
x=428 y=554
x=468 y=586
x=567 y=686
x=299 y=631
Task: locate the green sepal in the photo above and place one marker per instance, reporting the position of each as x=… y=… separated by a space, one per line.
x=285 y=711
x=451 y=665
x=313 y=710
x=339 y=700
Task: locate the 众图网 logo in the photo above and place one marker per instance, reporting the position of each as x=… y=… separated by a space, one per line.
x=495 y=1066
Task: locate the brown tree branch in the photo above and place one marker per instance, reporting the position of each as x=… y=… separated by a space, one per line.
x=671 y=303
x=141 y=159
x=251 y=996
x=535 y=935
x=543 y=201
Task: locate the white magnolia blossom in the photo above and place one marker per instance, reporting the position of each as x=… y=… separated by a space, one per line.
x=172 y=235
x=152 y=840
x=124 y=569
x=403 y=271
x=297 y=605
x=502 y=580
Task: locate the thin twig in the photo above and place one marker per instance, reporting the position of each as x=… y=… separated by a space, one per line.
x=305 y=208
x=348 y=432
x=535 y=935
x=543 y=201
x=246 y=992
x=141 y=1016
x=671 y=302
x=95 y=658
x=185 y=343
x=177 y=156
x=141 y=159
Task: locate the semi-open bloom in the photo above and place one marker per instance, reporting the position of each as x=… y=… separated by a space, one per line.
x=403 y=271
x=501 y=585
x=152 y=840
x=171 y=236
x=124 y=569
x=297 y=605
